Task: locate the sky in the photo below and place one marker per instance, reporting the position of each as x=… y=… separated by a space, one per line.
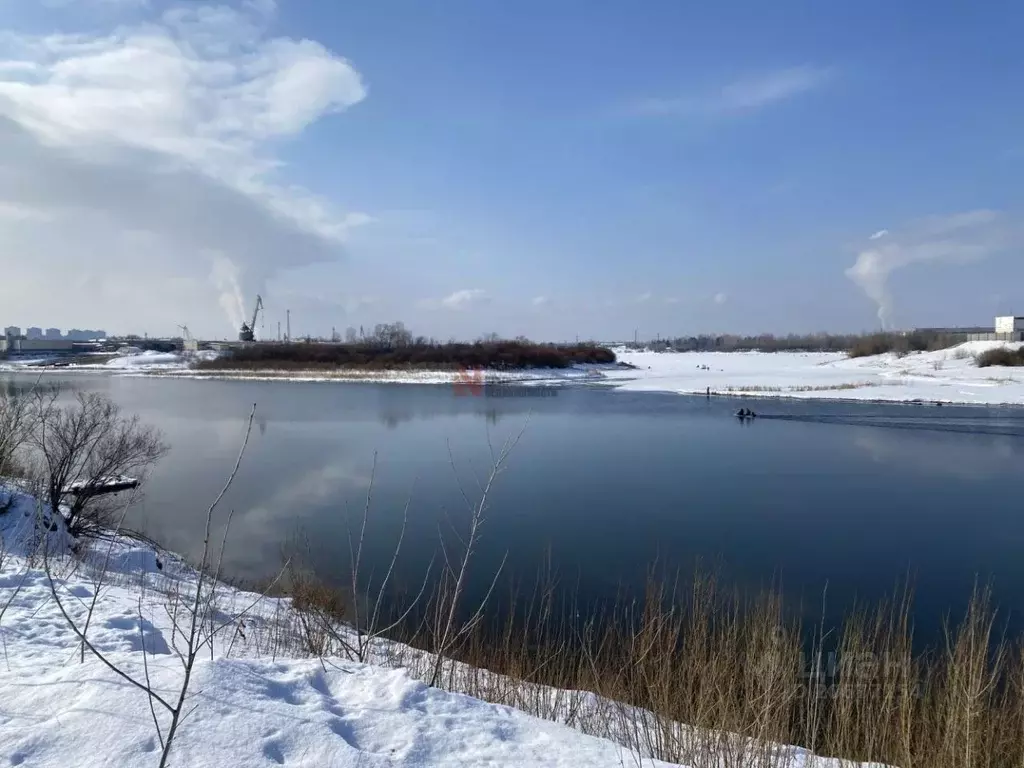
x=566 y=169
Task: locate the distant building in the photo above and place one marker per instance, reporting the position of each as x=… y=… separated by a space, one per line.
x=12 y=331
x=30 y=347
x=76 y=335
x=1009 y=324
x=52 y=334
x=34 y=333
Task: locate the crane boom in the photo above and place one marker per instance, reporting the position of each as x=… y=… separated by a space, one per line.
x=248 y=332
x=189 y=345
x=255 y=312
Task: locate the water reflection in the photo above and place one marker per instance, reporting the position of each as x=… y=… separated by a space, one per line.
x=604 y=481
x=971 y=457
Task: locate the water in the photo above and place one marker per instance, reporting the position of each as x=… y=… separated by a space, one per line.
x=810 y=495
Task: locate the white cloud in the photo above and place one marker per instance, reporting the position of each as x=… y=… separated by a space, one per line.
x=465 y=298
x=643 y=298
x=957 y=238
x=721 y=298
x=672 y=300
x=745 y=94
x=102 y=3
x=161 y=133
x=459 y=300
x=17 y=212
x=770 y=87
x=353 y=304
x=541 y=301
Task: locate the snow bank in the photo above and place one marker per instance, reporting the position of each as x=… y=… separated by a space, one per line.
x=147 y=360
x=529 y=377
x=948 y=375
x=245 y=710
x=249 y=712
x=126 y=362
x=250 y=704
x=24 y=522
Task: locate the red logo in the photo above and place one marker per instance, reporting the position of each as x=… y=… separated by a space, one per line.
x=469 y=381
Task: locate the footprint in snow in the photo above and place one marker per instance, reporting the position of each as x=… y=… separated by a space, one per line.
x=272 y=751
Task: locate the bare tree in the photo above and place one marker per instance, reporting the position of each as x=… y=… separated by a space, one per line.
x=392 y=335
x=449 y=631
x=16 y=421
x=197 y=607
x=82 y=447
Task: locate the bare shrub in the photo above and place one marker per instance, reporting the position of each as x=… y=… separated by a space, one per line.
x=385 y=353
x=88 y=443
x=700 y=674
x=191 y=613
x=1003 y=356
x=17 y=419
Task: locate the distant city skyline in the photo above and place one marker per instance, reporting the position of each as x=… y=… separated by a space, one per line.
x=53 y=334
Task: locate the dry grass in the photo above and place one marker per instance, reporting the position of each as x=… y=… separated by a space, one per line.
x=694 y=672
x=753 y=389
x=706 y=677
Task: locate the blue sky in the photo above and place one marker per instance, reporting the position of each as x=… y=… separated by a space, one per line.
x=588 y=168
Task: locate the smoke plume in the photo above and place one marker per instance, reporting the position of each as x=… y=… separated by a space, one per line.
x=225 y=277
x=957 y=238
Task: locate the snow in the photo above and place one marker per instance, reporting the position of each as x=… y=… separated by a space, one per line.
x=250 y=703
x=106 y=481
x=127 y=361
x=248 y=711
x=147 y=360
x=528 y=377
x=948 y=376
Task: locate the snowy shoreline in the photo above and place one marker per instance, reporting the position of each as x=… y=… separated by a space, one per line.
x=258 y=697
x=947 y=376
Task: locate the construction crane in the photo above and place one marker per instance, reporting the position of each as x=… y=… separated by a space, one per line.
x=189 y=345
x=248 y=332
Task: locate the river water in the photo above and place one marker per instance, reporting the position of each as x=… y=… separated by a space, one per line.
x=832 y=501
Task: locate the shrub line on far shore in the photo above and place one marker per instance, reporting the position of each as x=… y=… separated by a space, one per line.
x=370 y=356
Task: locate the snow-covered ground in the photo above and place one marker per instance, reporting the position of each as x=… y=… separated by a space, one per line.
x=948 y=375
x=148 y=361
x=250 y=702
x=58 y=711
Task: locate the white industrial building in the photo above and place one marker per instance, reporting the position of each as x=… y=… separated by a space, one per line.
x=41 y=347
x=1009 y=324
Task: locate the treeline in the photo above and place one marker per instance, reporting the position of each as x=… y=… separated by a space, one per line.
x=856 y=345
x=902 y=344
x=499 y=354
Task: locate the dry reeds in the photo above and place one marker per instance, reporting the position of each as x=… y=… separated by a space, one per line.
x=707 y=677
